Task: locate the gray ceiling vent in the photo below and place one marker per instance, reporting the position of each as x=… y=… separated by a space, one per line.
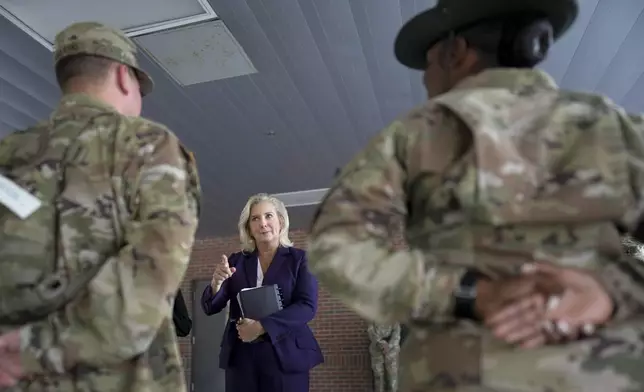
x=199 y=53
x=302 y=198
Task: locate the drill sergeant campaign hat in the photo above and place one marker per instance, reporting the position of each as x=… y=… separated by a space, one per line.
x=96 y=39
x=420 y=33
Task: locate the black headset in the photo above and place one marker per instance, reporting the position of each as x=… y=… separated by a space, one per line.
x=525 y=42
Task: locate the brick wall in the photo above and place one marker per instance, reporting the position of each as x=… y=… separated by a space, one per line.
x=341 y=334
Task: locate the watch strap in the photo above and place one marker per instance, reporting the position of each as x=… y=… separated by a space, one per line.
x=465 y=296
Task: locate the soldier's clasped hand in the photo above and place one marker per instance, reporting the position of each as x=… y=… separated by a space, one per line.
x=10 y=367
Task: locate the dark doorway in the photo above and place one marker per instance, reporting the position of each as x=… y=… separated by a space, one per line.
x=206 y=332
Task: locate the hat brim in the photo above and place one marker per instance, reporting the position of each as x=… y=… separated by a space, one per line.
x=145 y=81
x=420 y=33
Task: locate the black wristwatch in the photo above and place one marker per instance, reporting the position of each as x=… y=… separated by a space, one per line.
x=465 y=296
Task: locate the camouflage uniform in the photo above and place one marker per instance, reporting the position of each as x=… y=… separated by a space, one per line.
x=131 y=196
x=443 y=169
x=633 y=247
x=384 y=348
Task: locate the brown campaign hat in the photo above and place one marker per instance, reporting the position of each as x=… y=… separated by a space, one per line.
x=420 y=33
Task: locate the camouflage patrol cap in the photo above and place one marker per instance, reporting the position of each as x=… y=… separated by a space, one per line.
x=96 y=39
x=420 y=33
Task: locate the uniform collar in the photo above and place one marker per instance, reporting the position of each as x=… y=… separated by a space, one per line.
x=86 y=101
x=514 y=79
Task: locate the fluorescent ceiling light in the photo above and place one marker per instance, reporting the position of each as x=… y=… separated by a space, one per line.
x=302 y=198
x=43 y=19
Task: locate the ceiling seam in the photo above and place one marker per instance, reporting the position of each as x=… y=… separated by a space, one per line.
x=12 y=127
x=342 y=79
x=295 y=86
x=27 y=93
x=49 y=82
x=281 y=118
x=179 y=120
x=413 y=82
x=371 y=76
x=181 y=90
x=236 y=102
x=183 y=122
x=45 y=107
x=279 y=115
x=19 y=110
x=248 y=124
x=572 y=58
x=279 y=62
x=350 y=118
x=621 y=45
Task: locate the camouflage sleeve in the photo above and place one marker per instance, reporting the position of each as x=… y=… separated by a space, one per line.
x=352 y=249
x=633 y=132
x=119 y=314
x=371 y=332
x=624 y=280
x=395 y=336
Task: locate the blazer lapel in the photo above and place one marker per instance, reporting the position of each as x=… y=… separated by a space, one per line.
x=250 y=269
x=278 y=262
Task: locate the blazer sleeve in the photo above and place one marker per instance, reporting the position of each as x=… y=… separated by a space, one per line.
x=215 y=303
x=304 y=304
x=180 y=316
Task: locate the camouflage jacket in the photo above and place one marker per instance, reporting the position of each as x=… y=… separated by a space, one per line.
x=104 y=339
x=502 y=170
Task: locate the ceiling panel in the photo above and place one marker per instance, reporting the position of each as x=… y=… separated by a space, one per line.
x=31 y=106
x=562 y=53
x=26 y=79
x=327 y=81
x=609 y=26
x=43 y=19
x=291 y=38
x=626 y=66
x=378 y=22
x=199 y=53
x=337 y=37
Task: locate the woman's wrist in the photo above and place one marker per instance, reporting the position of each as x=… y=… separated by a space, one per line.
x=215 y=286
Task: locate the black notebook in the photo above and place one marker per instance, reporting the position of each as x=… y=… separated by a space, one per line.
x=258 y=302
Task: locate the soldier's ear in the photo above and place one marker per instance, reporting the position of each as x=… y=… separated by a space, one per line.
x=458 y=51
x=125 y=79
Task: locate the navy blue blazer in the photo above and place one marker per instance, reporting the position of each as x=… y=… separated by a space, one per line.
x=292 y=339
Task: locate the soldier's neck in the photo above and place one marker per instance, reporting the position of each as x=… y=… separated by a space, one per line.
x=101 y=94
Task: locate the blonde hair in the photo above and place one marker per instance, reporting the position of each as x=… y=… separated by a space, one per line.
x=245 y=238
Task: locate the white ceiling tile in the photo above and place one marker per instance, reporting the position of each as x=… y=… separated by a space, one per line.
x=198 y=53
x=43 y=19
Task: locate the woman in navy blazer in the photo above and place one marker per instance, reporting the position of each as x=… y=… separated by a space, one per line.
x=274 y=354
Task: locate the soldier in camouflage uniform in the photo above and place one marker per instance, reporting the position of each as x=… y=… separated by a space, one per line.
x=514 y=195
x=129 y=203
x=384 y=348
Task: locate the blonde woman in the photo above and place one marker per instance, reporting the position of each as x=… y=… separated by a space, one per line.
x=275 y=353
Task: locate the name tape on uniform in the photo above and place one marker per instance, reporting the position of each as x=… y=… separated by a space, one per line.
x=18 y=200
